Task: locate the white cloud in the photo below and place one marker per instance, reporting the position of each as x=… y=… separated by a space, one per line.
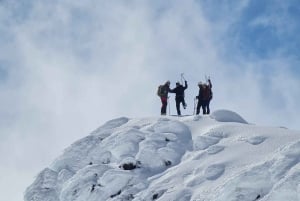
x=74 y=65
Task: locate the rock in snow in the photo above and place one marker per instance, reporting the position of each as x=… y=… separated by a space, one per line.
x=219 y=157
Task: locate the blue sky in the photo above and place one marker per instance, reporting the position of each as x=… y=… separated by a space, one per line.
x=66 y=67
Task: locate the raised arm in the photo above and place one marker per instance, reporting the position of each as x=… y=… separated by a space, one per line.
x=185 y=85
x=209 y=83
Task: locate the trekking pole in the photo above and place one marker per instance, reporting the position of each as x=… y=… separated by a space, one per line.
x=194 y=106
x=169 y=105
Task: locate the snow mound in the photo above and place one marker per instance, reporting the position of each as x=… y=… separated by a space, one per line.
x=114 y=161
x=178 y=159
x=44 y=186
x=227 y=116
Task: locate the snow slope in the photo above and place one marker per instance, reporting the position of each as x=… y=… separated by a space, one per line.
x=201 y=158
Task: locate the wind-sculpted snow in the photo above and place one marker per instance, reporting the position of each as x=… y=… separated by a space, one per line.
x=271 y=180
x=227 y=116
x=44 y=187
x=113 y=124
x=115 y=160
x=199 y=158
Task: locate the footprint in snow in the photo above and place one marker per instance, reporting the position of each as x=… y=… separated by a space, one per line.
x=215 y=149
x=203 y=142
x=256 y=140
x=213 y=172
x=197 y=118
x=196 y=181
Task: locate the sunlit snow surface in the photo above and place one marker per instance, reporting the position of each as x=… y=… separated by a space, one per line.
x=201 y=158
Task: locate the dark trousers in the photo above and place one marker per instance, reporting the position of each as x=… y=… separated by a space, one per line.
x=179 y=100
x=204 y=104
x=207 y=107
x=164 y=102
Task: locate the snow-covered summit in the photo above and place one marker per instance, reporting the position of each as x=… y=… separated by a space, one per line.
x=202 y=158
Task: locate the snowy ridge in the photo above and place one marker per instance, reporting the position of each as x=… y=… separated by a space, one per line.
x=202 y=158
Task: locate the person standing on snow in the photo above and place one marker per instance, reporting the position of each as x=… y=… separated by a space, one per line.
x=209 y=96
x=179 y=98
x=162 y=92
x=204 y=97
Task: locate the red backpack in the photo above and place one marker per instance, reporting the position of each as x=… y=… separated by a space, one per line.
x=207 y=93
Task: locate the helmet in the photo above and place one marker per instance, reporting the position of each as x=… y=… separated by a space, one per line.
x=168 y=82
x=177 y=83
x=200 y=83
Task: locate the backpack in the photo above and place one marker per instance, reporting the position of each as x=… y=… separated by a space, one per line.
x=207 y=93
x=159 y=90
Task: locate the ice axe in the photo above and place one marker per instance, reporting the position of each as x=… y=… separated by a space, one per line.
x=182 y=78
